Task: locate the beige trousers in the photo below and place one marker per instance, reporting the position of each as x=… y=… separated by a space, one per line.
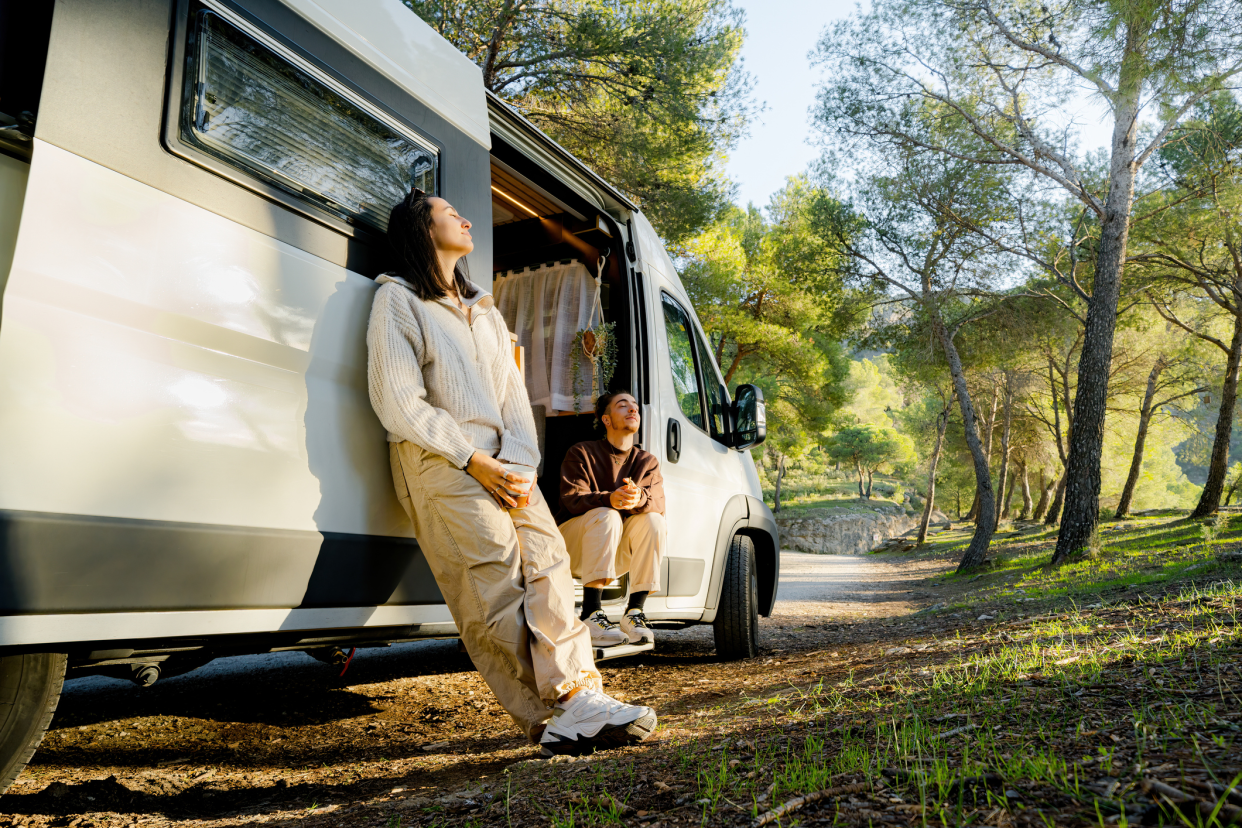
x=603 y=544
x=504 y=574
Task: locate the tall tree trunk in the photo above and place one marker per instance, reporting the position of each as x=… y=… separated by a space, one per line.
x=1058 y=500
x=1218 y=467
x=869 y=473
x=1010 y=490
x=977 y=551
x=942 y=423
x=1140 y=440
x=1082 y=474
x=1043 y=497
x=991 y=424
x=858 y=468
x=780 y=475
x=1006 y=487
x=1026 y=489
x=959 y=504
x=973 y=514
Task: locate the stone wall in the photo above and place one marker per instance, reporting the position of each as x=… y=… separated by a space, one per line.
x=847 y=533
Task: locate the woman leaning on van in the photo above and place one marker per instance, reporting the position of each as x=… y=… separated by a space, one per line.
x=444 y=383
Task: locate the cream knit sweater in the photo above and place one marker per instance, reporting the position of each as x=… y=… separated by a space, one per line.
x=445 y=385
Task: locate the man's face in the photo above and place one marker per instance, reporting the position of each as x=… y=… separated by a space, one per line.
x=623 y=415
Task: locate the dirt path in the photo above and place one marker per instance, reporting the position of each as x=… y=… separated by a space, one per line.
x=252 y=741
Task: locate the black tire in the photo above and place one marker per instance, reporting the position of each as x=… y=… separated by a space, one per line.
x=737 y=616
x=29 y=690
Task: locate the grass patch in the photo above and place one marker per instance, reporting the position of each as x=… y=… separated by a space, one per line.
x=1086 y=689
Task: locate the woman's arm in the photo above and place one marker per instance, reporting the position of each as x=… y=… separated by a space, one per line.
x=395 y=381
x=518 y=443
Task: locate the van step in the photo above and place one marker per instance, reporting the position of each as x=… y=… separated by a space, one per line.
x=622 y=650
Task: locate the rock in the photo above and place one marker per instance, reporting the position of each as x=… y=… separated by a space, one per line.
x=849 y=533
x=986 y=618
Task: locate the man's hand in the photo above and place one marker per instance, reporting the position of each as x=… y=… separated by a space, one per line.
x=627 y=497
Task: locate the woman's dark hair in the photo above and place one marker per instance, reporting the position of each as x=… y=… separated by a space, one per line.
x=409 y=235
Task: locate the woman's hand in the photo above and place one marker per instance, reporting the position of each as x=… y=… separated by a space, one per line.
x=627 y=497
x=492 y=476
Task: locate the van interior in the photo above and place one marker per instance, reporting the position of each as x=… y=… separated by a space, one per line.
x=539 y=222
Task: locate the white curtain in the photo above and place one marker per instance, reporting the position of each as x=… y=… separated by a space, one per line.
x=546 y=306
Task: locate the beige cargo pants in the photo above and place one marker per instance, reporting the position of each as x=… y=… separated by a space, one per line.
x=504 y=574
x=604 y=544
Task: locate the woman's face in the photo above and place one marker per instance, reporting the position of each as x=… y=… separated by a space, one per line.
x=449 y=231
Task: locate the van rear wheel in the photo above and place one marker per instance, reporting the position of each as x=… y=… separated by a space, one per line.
x=737 y=618
x=29 y=690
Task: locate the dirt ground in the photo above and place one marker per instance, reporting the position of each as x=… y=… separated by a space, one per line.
x=292 y=740
x=411 y=735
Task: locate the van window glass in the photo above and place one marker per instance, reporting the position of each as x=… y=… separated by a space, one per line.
x=249 y=107
x=717 y=396
x=681 y=360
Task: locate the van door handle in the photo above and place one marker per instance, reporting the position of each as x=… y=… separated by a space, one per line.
x=673 y=448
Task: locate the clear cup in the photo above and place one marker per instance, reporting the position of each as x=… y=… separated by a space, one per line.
x=518 y=491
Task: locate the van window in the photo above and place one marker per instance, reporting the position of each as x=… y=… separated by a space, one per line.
x=717 y=394
x=681 y=360
x=255 y=110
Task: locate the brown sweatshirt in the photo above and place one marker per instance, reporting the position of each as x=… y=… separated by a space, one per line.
x=593 y=470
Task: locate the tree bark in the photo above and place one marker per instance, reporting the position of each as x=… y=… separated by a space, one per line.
x=1043 y=497
x=858 y=468
x=1006 y=486
x=973 y=513
x=977 y=551
x=1218 y=467
x=1082 y=474
x=942 y=423
x=1011 y=488
x=1140 y=440
x=1058 y=500
x=1026 y=489
x=869 y=473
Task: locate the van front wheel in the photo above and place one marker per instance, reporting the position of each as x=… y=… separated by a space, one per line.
x=29 y=690
x=737 y=617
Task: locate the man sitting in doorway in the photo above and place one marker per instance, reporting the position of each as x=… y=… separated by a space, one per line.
x=612 y=519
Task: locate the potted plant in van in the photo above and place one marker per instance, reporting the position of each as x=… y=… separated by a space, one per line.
x=597 y=346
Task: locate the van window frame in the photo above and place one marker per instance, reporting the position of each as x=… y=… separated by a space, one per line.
x=178 y=90
x=697 y=338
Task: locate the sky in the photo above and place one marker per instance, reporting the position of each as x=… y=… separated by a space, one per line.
x=780 y=34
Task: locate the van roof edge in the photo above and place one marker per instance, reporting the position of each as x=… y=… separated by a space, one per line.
x=528 y=136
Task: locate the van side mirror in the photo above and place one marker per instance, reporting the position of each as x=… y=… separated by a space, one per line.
x=750 y=419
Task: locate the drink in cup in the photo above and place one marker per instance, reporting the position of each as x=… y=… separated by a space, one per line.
x=520 y=491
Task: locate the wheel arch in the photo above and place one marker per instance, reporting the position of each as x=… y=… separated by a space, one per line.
x=749 y=516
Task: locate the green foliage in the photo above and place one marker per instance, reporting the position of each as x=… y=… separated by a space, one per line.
x=874 y=397
x=602 y=360
x=649 y=94
x=868 y=448
x=769 y=295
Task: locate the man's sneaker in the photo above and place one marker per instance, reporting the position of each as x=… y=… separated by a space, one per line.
x=634 y=625
x=604 y=633
x=592 y=721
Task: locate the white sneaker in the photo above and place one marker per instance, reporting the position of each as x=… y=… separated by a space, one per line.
x=604 y=633
x=592 y=721
x=634 y=625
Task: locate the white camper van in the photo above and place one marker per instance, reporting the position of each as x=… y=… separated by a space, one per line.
x=193 y=196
